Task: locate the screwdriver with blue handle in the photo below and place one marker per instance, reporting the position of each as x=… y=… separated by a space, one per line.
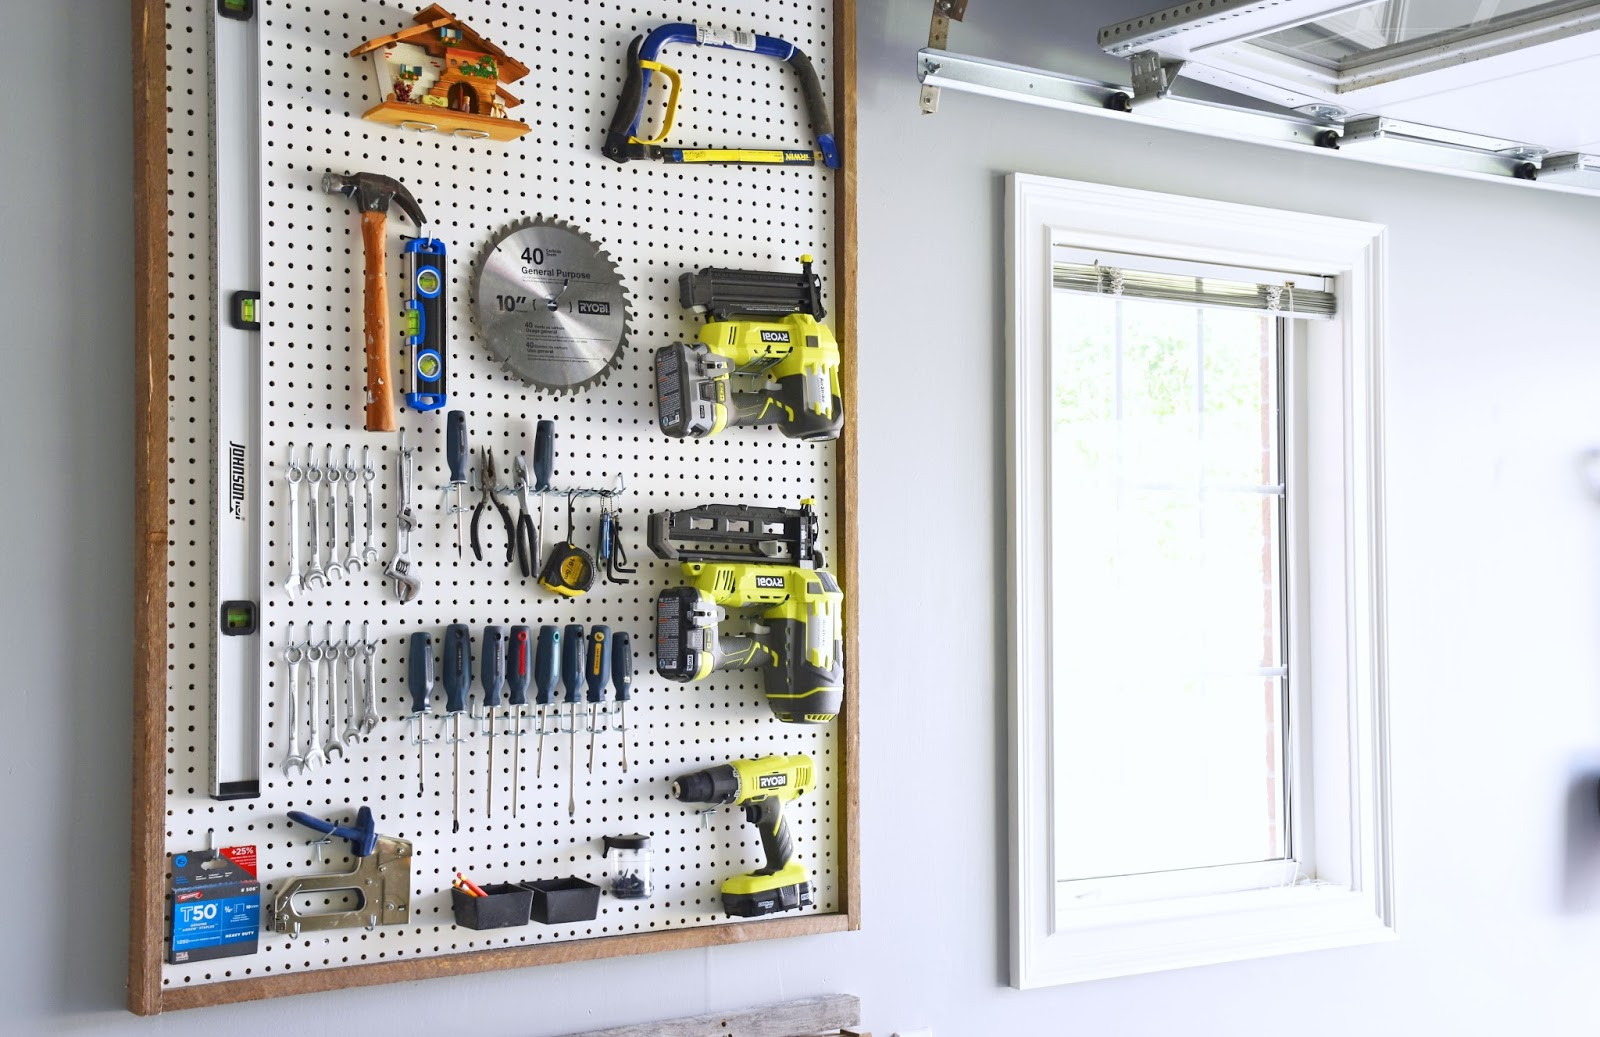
x=546 y=667
x=519 y=672
x=457 y=680
x=419 y=680
x=572 y=645
x=597 y=670
x=491 y=676
x=544 y=464
x=455 y=455
x=622 y=685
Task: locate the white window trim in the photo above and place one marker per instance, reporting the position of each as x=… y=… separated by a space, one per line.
x=1353 y=901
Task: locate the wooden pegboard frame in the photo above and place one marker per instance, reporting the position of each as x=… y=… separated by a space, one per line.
x=154 y=444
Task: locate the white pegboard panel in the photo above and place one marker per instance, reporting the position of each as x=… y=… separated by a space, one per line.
x=657 y=221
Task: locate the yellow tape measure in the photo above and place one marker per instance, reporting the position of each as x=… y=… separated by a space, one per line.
x=569 y=571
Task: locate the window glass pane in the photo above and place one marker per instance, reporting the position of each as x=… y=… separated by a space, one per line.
x=1174 y=797
x=1166 y=573
x=1239 y=440
x=1337 y=37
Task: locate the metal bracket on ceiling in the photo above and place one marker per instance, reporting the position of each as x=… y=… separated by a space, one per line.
x=1153 y=78
x=1521 y=161
x=944 y=12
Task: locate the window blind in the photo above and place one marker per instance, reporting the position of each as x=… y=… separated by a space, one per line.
x=1283 y=298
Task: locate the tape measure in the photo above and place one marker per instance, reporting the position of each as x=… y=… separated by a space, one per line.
x=569 y=570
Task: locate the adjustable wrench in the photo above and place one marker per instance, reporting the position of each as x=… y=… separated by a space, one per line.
x=315 y=578
x=406 y=584
x=352 y=560
x=294 y=763
x=369 y=689
x=330 y=651
x=293 y=476
x=333 y=475
x=352 y=722
x=315 y=757
x=369 y=475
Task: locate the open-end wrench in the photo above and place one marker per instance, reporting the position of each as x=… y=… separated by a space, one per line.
x=331 y=746
x=369 y=688
x=406 y=583
x=315 y=757
x=331 y=473
x=293 y=475
x=352 y=560
x=315 y=578
x=352 y=718
x=369 y=476
x=293 y=654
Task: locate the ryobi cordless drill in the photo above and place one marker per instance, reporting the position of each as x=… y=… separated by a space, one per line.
x=762 y=326
x=761 y=787
x=762 y=561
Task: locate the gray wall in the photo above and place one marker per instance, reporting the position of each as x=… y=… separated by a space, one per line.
x=1493 y=586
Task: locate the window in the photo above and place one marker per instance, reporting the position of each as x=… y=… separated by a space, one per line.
x=1167 y=591
x=1197 y=691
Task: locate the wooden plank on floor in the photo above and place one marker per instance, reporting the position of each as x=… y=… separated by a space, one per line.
x=807 y=1015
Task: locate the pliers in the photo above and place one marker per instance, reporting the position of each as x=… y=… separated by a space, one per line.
x=486 y=480
x=527 y=534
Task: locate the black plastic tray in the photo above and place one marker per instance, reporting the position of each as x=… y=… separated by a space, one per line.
x=508 y=903
x=558 y=901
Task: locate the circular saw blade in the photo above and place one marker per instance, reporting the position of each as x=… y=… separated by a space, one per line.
x=551 y=305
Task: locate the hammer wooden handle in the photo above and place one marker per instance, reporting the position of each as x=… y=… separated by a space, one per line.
x=380 y=376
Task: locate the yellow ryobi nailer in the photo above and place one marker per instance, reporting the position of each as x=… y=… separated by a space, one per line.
x=764 y=327
x=761 y=787
x=764 y=562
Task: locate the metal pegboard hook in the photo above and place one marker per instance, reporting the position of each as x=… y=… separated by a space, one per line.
x=620 y=487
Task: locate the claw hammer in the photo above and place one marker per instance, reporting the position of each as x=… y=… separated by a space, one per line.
x=372 y=193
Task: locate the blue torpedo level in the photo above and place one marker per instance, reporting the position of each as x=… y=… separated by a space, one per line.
x=424 y=324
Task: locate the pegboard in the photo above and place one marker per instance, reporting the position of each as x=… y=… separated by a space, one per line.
x=656 y=221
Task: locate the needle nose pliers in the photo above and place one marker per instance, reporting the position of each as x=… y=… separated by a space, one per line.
x=527 y=535
x=487 y=473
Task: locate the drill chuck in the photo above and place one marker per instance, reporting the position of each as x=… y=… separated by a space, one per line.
x=714 y=785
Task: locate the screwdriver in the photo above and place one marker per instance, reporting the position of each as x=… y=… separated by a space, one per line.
x=455 y=455
x=544 y=463
x=597 y=668
x=622 y=684
x=457 y=679
x=419 y=677
x=546 y=661
x=572 y=641
x=491 y=675
x=518 y=673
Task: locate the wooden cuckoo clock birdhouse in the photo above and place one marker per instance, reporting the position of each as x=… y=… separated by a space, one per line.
x=440 y=75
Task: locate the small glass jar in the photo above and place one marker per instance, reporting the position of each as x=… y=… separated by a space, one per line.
x=630 y=871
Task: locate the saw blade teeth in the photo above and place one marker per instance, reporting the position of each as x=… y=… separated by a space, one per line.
x=555 y=349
